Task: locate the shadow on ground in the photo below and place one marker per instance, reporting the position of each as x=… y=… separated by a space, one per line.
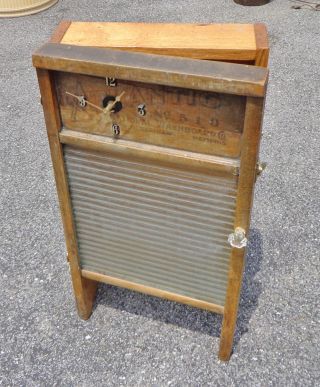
x=185 y=316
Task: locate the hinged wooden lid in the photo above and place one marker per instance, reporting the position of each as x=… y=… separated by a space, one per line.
x=242 y=43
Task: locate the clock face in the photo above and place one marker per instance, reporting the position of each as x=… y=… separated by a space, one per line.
x=188 y=119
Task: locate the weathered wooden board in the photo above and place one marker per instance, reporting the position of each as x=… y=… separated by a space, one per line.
x=216 y=77
x=209 y=41
x=241 y=43
x=178 y=118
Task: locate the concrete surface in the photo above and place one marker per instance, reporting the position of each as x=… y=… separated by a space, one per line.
x=132 y=339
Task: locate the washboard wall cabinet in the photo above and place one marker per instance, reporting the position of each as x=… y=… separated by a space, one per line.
x=155 y=160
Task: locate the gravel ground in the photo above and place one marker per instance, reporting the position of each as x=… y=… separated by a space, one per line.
x=136 y=340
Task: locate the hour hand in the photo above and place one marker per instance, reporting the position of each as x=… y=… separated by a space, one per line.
x=111 y=104
x=83 y=102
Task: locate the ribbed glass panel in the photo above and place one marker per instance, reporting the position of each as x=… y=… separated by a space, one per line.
x=153 y=225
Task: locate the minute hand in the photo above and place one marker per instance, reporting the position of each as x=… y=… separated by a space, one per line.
x=87 y=102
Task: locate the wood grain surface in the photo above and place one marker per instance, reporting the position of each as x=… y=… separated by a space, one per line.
x=152 y=291
x=262 y=43
x=181 y=159
x=178 y=118
x=59 y=32
x=211 y=76
x=249 y=158
x=84 y=289
x=200 y=41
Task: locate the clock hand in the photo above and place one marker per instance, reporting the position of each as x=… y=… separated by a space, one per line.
x=118 y=97
x=109 y=107
x=80 y=98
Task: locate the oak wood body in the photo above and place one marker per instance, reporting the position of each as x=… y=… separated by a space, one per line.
x=182 y=159
x=216 y=77
x=242 y=43
x=58 y=65
x=84 y=289
x=209 y=123
x=247 y=176
x=152 y=291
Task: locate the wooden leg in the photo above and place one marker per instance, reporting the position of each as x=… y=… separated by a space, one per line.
x=84 y=289
x=231 y=304
x=250 y=148
x=85 y=296
x=226 y=338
